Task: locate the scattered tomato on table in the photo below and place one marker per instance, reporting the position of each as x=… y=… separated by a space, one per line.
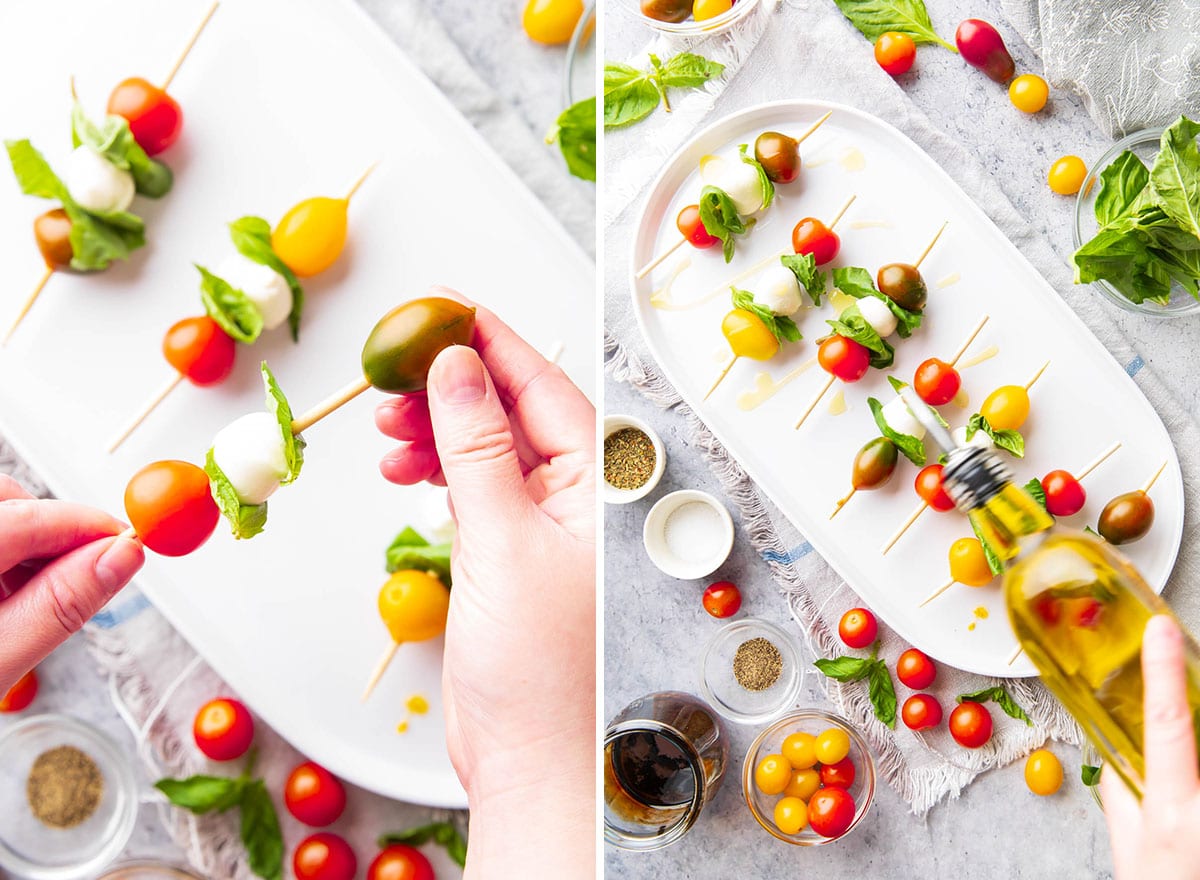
x=223 y=729
x=1043 y=772
x=858 y=628
x=551 y=21
x=895 y=52
x=400 y=862
x=1066 y=175
x=981 y=46
x=1028 y=93
x=970 y=724
x=21 y=694
x=324 y=856
x=915 y=669
x=921 y=712
x=722 y=599
x=314 y=795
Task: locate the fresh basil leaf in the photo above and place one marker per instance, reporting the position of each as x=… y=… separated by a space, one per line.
x=845 y=669
x=203 y=794
x=1122 y=257
x=410 y=550
x=1007 y=439
x=229 y=307
x=260 y=832
x=1089 y=530
x=765 y=186
x=445 y=834
x=245 y=520
x=720 y=217
x=293 y=444
x=810 y=278
x=34 y=175
x=116 y=143
x=854 y=281
x=995 y=563
x=876 y=17
x=1122 y=185
x=1175 y=174
x=1183 y=266
x=782 y=327
x=898 y=385
x=852 y=325
x=1001 y=698
x=617 y=74
x=689 y=71
x=1090 y=775
x=252 y=238
x=575 y=131
x=629 y=95
x=882 y=693
x=1035 y=490
x=910 y=447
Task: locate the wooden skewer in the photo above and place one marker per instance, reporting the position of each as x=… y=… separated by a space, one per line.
x=816 y=400
x=1012 y=658
x=1099 y=461
x=190 y=43
x=913 y=517
x=814 y=127
x=929 y=247
x=842 y=503
x=37 y=291
x=1154 y=479
x=361 y=180
x=962 y=349
x=724 y=372
x=331 y=403
x=555 y=352
x=841 y=213
x=943 y=588
x=380 y=669
x=1036 y=376
x=144 y=412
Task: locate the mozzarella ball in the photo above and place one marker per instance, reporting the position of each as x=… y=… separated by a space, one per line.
x=95 y=183
x=900 y=418
x=981 y=439
x=263 y=286
x=251 y=453
x=778 y=290
x=878 y=315
x=737 y=179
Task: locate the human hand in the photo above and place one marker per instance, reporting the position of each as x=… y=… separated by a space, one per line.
x=1157 y=838
x=59 y=564
x=514 y=440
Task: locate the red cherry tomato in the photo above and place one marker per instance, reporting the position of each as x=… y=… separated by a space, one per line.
x=722 y=599
x=981 y=46
x=844 y=358
x=858 y=628
x=200 y=349
x=170 y=506
x=895 y=52
x=921 y=711
x=399 y=862
x=21 y=694
x=314 y=795
x=1064 y=495
x=830 y=812
x=155 y=119
x=915 y=669
x=324 y=856
x=839 y=775
x=936 y=382
x=971 y=724
x=223 y=729
x=811 y=236
x=690 y=227
x=1086 y=613
x=929 y=486
x=1048 y=608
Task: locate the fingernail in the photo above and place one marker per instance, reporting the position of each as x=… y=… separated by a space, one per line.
x=457 y=375
x=118 y=563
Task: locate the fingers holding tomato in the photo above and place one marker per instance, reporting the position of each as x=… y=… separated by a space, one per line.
x=171 y=508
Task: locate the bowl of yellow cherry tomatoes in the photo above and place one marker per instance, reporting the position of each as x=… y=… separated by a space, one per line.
x=809 y=778
x=692 y=17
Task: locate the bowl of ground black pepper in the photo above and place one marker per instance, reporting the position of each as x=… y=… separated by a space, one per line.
x=634 y=459
x=750 y=672
x=70 y=799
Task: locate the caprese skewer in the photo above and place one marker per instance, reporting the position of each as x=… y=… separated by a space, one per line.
x=1129 y=516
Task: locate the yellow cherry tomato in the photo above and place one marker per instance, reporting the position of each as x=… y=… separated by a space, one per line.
x=551 y=21
x=772 y=774
x=1028 y=93
x=791 y=814
x=748 y=336
x=800 y=750
x=1006 y=408
x=803 y=783
x=832 y=745
x=312 y=235
x=968 y=564
x=414 y=605
x=1043 y=772
x=703 y=10
x=1066 y=175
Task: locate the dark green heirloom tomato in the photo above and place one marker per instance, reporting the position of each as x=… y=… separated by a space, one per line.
x=1126 y=518
x=779 y=155
x=403 y=345
x=673 y=11
x=874 y=464
x=903 y=285
x=53 y=233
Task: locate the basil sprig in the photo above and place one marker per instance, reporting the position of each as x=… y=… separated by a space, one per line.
x=115 y=142
x=852 y=325
x=909 y=446
x=1007 y=439
x=766 y=187
x=879 y=680
x=229 y=307
x=1090 y=774
x=575 y=133
x=995 y=563
x=444 y=834
x=293 y=444
x=876 y=17
x=782 y=327
x=252 y=238
x=1035 y=490
x=410 y=550
x=857 y=282
x=245 y=520
x=719 y=216
x=1001 y=698
x=809 y=277
x=631 y=95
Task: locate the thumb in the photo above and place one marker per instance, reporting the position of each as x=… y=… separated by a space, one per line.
x=474 y=441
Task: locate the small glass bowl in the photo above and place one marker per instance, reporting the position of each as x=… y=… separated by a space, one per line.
x=692 y=28
x=32 y=849
x=720 y=687
x=148 y=871
x=770 y=742
x=579 y=81
x=1144 y=145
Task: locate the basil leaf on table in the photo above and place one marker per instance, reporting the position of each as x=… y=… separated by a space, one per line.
x=720 y=218
x=910 y=447
x=230 y=308
x=445 y=834
x=113 y=140
x=293 y=444
x=845 y=669
x=688 y=71
x=203 y=794
x=857 y=282
x=260 y=832
x=808 y=276
x=1090 y=774
x=782 y=327
x=252 y=238
x=1001 y=698
x=852 y=325
x=575 y=131
x=766 y=188
x=410 y=550
x=245 y=520
x=879 y=680
x=1176 y=174
x=631 y=95
x=876 y=17
x=1007 y=439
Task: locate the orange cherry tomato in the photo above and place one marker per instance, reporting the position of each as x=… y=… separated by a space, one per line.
x=915 y=669
x=200 y=349
x=1064 y=494
x=52 y=231
x=858 y=628
x=400 y=862
x=929 y=486
x=1066 y=175
x=921 y=711
x=551 y=21
x=223 y=729
x=722 y=599
x=689 y=226
x=936 y=382
x=21 y=694
x=1043 y=772
x=895 y=52
x=155 y=119
x=844 y=358
x=831 y=812
x=811 y=236
x=324 y=856
x=170 y=506
x=314 y=795
x=971 y=724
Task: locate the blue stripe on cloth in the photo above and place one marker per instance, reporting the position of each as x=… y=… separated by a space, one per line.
x=1134 y=365
x=791 y=556
x=110 y=618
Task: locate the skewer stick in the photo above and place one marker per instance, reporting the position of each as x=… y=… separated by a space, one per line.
x=144 y=412
x=724 y=372
x=815 y=401
x=842 y=503
x=37 y=291
x=1012 y=658
x=190 y=43
x=653 y=264
x=1154 y=479
x=380 y=669
x=814 y=127
x=841 y=213
x=555 y=352
x=331 y=403
x=929 y=247
x=1100 y=460
x=913 y=517
x=1036 y=376
x=361 y=180
x=962 y=349
x=943 y=588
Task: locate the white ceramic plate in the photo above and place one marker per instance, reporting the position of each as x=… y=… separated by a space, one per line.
x=283 y=99
x=1083 y=403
